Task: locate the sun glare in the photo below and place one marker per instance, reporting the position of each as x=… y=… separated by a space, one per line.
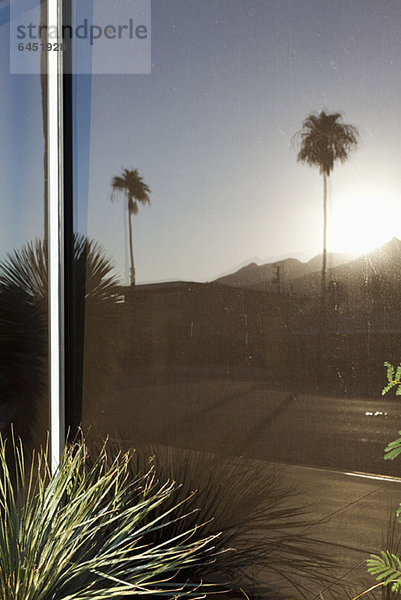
x=360 y=221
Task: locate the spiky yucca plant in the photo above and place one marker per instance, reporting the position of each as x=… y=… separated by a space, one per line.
x=23 y=326
x=79 y=534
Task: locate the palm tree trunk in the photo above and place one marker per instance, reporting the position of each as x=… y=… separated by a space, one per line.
x=324 y=255
x=131 y=250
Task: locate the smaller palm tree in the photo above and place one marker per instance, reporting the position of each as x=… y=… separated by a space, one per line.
x=132 y=186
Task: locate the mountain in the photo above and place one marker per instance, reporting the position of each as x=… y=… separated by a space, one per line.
x=261 y=276
x=380 y=267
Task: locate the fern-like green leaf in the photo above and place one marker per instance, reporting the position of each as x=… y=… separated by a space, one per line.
x=393 y=449
x=386 y=568
x=391 y=380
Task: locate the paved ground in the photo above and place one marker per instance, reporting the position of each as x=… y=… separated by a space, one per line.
x=247 y=418
x=352 y=514
x=322 y=440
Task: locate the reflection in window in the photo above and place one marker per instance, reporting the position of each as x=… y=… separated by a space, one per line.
x=23 y=255
x=207 y=327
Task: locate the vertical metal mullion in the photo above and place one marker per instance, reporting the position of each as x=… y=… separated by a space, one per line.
x=73 y=325
x=56 y=239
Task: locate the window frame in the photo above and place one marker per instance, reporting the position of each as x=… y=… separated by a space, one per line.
x=56 y=240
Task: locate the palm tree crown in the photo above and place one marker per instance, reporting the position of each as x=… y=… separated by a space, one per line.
x=324 y=140
x=135 y=189
x=131 y=184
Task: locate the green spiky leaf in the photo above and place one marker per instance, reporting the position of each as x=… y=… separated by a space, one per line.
x=80 y=534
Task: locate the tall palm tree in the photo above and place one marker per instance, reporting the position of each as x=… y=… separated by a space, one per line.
x=325 y=140
x=132 y=186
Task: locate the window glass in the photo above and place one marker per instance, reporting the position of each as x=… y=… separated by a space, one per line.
x=214 y=317
x=23 y=256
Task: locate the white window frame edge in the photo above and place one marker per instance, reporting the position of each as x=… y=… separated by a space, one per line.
x=56 y=240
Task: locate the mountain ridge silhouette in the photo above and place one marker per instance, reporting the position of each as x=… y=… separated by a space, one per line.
x=384 y=261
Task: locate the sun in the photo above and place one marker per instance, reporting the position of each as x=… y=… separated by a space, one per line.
x=361 y=220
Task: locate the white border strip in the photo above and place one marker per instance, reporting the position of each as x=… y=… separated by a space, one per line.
x=375 y=477
x=55 y=240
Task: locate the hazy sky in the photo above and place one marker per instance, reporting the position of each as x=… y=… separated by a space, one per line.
x=21 y=150
x=211 y=130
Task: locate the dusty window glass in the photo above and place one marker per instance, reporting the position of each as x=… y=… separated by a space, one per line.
x=23 y=256
x=237 y=231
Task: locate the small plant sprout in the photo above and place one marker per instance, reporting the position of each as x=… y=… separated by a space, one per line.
x=391 y=380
